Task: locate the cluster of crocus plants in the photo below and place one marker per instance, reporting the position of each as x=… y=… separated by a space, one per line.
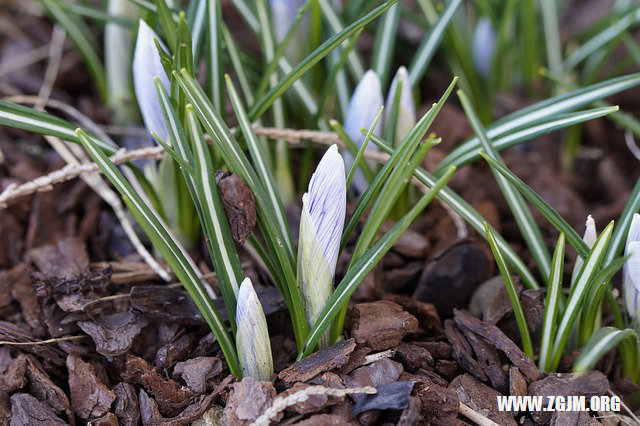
x=175 y=109
x=573 y=321
x=175 y=200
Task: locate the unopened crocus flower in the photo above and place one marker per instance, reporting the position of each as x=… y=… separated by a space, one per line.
x=484 y=45
x=252 y=335
x=321 y=224
x=590 y=236
x=406 y=114
x=631 y=269
x=117 y=49
x=364 y=106
x=283 y=15
x=146 y=66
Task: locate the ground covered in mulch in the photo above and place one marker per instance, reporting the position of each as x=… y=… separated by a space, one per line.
x=93 y=334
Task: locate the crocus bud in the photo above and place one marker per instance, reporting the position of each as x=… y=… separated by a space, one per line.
x=117 y=50
x=283 y=15
x=252 y=335
x=631 y=269
x=146 y=66
x=321 y=224
x=406 y=118
x=364 y=106
x=484 y=45
x=590 y=236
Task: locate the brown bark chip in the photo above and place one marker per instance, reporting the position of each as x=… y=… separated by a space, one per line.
x=324 y=360
x=43 y=388
x=67 y=258
x=28 y=411
x=239 y=205
x=198 y=371
x=381 y=324
x=414 y=357
x=579 y=418
x=14 y=375
x=171 y=397
x=108 y=419
x=517 y=382
x=500 y=341
x=23 y=292
x=151 y=415
x=462 y=350
x=126 y=404
x=489 y=360
x=323 y=420
x=588 y=384
x=114 y=334
x=249 y=399
x=90 y=397
x=481 y=398
x=5 y=408
x=426 y=313
x=439 y=404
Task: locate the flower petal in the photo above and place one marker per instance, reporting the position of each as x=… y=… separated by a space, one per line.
x=484 y=45
x=252 y=336
x=406 y=118
x=590 y=236
x=283 y=14
x=146 y=66
x=327 y=203
x=631 y=279
x=364 y=106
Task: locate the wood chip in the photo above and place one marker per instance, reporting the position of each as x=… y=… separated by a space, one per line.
x=500 y=341
x=381 y=325
x=326 y=359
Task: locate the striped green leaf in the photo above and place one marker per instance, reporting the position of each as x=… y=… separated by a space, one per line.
x=511 y=292
x=552 y=305
x=517 y=137
x=541 y=112
x=427 y=48
x=472 y=217
x=604 y=340
x=578 y=293
x=526 y=223
x=323 y=50
x=168 y=248
x=543 y=207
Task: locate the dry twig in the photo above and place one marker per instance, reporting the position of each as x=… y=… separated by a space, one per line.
x=280 y=404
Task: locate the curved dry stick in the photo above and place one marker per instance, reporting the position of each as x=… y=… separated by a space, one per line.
x=280 y=404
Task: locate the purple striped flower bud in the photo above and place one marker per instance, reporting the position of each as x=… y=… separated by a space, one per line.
x=364 y=106
x=631 y=269
x=321 y=225
x=406 y=114
x=146 y=66
x=484 y=45
x=252 y=336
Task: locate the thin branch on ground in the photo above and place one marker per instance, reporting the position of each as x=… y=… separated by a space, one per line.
x=474 y=416
x=42 y=342
x=280 y=404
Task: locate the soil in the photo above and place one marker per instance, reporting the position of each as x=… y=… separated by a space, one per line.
x=91 y=334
